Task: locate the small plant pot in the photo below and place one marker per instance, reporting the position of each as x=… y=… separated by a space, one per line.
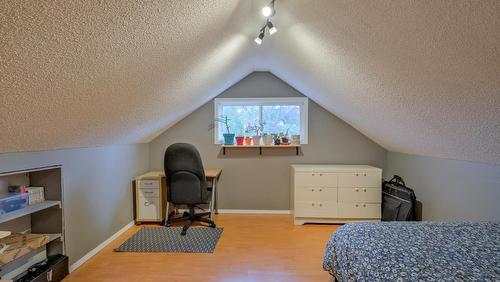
x=239 y=140
x=256 y=140
x=228 y=138
x=248 y=141
x=284 y=141
x=268 y=139
x=296 y=139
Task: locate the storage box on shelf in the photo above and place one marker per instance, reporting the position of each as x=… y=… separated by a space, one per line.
x=335 y=193
x=37 y=229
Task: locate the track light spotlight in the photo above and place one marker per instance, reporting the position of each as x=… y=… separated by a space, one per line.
x=259 y=38
x=272 y=28
x=268 y=10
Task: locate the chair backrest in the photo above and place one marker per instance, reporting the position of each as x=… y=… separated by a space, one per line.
x=185 y=175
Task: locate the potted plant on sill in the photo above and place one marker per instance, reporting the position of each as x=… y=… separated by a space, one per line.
x=256 y=129
x=267 y=138
x=248 y=140
x=240 y=139
x=285 y=140
x=228 y=136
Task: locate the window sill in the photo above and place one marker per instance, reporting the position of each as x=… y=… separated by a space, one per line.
x=297 y=147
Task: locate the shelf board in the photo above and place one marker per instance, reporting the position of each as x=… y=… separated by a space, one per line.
x=294 y=146
x=52 y=237
x=261 y=146
x=28 y=210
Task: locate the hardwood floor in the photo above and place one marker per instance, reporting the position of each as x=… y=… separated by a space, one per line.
x=252 y=248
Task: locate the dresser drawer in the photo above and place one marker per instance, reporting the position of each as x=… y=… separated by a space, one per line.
x=360 y=179
x=359 y=210
x=148 y=193
x=315 y=179
x=357 y=195
x=316 y=194
x=148 y=184
x=148 y=208
x=315 y=209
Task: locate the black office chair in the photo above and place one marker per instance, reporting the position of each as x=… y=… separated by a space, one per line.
x=186 y=184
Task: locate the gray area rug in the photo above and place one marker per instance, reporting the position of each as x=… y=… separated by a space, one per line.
x=169 y=239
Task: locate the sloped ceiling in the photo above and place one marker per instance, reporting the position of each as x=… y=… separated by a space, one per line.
x=420 y=77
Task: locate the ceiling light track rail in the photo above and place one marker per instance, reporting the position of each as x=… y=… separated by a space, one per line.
x=268 y=11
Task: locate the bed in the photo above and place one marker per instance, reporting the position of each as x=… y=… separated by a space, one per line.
x=414 y=251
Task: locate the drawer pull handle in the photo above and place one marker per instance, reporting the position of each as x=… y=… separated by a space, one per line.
x=357 y=174
x=320 y=174
x=312 y=174
x=148 y=192
x=320 y=190
x=320 y=205
x=365 y=174
x=312 y=204
x=312 y=190
x=147 y=203
x=364 y=189
x=364 y=205
x=357 y=190
x=356 y=205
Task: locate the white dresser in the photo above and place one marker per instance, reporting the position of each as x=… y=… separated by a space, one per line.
x=335 y=193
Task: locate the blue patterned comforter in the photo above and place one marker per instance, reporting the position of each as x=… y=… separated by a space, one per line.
x=414 y=251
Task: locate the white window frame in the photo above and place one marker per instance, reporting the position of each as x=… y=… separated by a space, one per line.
x=302 y=102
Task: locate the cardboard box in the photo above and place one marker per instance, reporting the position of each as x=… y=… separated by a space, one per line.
x=20 y=244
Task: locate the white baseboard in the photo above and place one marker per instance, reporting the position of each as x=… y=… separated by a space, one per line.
x=254 y=211
x=237 y=211
x=101 y=246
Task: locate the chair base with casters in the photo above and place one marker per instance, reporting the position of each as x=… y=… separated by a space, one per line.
x=190 y=218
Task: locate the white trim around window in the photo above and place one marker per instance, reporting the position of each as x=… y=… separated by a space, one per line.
x=302 y=102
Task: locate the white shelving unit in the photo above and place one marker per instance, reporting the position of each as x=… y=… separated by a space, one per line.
x=42 y=218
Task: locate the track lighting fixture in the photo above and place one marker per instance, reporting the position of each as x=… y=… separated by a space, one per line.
x=267 y=11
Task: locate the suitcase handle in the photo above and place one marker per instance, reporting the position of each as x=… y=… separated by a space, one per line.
x=397 y=180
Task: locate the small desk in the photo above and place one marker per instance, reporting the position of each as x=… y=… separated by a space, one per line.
x=213 y=174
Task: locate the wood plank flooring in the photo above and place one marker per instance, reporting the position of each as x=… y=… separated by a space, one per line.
x=252 y=248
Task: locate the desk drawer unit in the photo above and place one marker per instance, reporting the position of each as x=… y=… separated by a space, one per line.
x=148 y=184
x=149 y=208
x=148 y=193
x=335 y=193
x=149 y=198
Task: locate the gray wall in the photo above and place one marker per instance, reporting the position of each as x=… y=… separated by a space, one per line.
x=97 y=189
x=450 y=189
x=250 y=181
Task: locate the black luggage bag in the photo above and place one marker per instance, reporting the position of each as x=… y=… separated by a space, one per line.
x=398 y=201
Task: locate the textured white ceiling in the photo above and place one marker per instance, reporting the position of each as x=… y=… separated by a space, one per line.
x=420 y=77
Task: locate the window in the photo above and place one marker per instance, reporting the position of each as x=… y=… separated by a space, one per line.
x=277 y=115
